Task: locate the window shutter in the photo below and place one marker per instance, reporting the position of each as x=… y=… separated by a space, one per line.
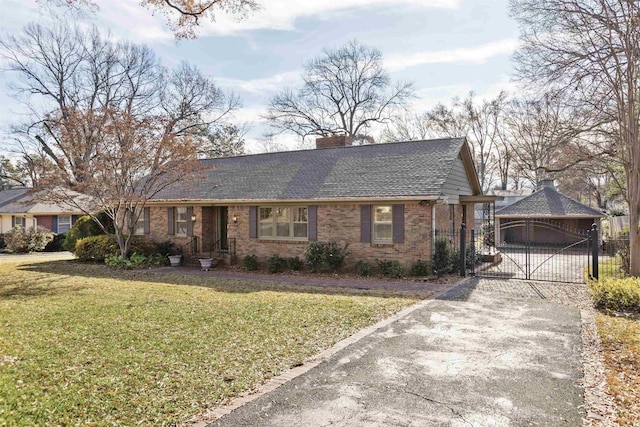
x=170 y=230
x=54 y=223
x=13 y=221
x=398 y=223
x=74 y=219
x=147 y=220
x=313 y=223
x=189 y=222
x=365 y=223
x=253 y=222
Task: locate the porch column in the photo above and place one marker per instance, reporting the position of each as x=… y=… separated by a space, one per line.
x=496 y=232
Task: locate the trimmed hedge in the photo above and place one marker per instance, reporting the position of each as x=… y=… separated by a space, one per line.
x=616 y=294
x=96 y=248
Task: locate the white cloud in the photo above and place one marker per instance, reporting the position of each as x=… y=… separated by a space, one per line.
x=281 y=14
x=475 y=54
x=264 y=85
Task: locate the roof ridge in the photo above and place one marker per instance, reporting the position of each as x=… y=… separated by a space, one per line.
x=334 y=148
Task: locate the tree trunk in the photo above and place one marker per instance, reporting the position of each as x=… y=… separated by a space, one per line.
x=634 y=239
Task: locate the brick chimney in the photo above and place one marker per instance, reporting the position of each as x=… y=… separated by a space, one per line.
x=546 y=182
x=334 y=141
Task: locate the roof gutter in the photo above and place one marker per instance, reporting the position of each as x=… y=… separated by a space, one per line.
x=433 y=199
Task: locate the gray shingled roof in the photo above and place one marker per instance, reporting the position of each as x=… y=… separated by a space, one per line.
x=548 y=202
x=417 y=168
x=12 y=194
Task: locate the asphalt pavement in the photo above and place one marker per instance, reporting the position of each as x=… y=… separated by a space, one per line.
x=471 y=358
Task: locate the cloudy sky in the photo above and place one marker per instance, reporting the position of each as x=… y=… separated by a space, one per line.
x=446 y=47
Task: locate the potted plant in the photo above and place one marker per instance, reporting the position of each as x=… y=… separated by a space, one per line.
x=175 y=257
x=205 y=263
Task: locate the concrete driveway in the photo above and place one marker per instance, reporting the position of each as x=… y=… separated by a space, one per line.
x=472 y=358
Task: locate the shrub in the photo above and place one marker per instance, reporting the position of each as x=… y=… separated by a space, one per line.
x=441 y=261
x=20 y=240
x=96 y=248
x=321 y=254
x=84 y=227
x=616 y=294
x=314 y=256
x=295 y=263
x=55 y=245
x=420 y=268
x=392 y=268
x=2 y=243
x=136 y=260
x=276 y=264
x=250 y=263
x=335 y=255
x=167 y=248
x=363 y=268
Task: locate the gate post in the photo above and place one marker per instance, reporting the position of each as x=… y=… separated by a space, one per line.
x=595 y=251
x=473 y=251
x=463 y=250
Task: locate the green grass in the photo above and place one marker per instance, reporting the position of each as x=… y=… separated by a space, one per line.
x=620 y=338
x=84 y=345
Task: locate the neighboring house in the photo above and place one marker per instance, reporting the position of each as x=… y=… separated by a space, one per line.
x=385 y=201
x=546 y=217
x=26 y=208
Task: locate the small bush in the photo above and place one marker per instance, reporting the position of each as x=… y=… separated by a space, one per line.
x=335 y=255
x=85 y=227
x=96 y=248
x=363 y=268
x=441 y=261
x=55 y=245
x=392 y=268
x=330 y=255
x=616 y=294
x=136 y=260
x=276 y=264
x=2 y=243
x=315 y=255
x=295 y=263
x=167 y=248
x=20 y=240
x=420 y=268
x=250 y=263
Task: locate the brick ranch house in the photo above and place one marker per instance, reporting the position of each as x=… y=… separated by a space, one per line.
x=385 y=200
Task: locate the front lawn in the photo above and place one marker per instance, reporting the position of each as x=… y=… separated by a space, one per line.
x=83 y=345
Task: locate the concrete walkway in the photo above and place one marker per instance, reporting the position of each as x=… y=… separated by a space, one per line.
x=475 y=357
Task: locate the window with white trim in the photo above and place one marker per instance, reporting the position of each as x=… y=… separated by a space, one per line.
x=180 y=219
x=283 y=222
x=19 y=221
x=382 y=224
x=64 y=224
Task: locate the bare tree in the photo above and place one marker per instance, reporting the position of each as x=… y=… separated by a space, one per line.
x=588 y=51
x=108 y=120
x=224 y=141
x=183 y=16
x=345 y=91
x=407 y=127
x=479 y=122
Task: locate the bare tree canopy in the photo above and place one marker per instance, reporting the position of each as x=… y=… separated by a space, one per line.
x=107 y=120
x=183 y=16
x=345 y=91
x=588 y=52
x=480 y=122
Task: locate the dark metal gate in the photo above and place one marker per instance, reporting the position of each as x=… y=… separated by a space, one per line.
x=530 y=249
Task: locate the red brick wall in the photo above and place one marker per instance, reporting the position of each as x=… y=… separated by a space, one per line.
x=336 y=222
